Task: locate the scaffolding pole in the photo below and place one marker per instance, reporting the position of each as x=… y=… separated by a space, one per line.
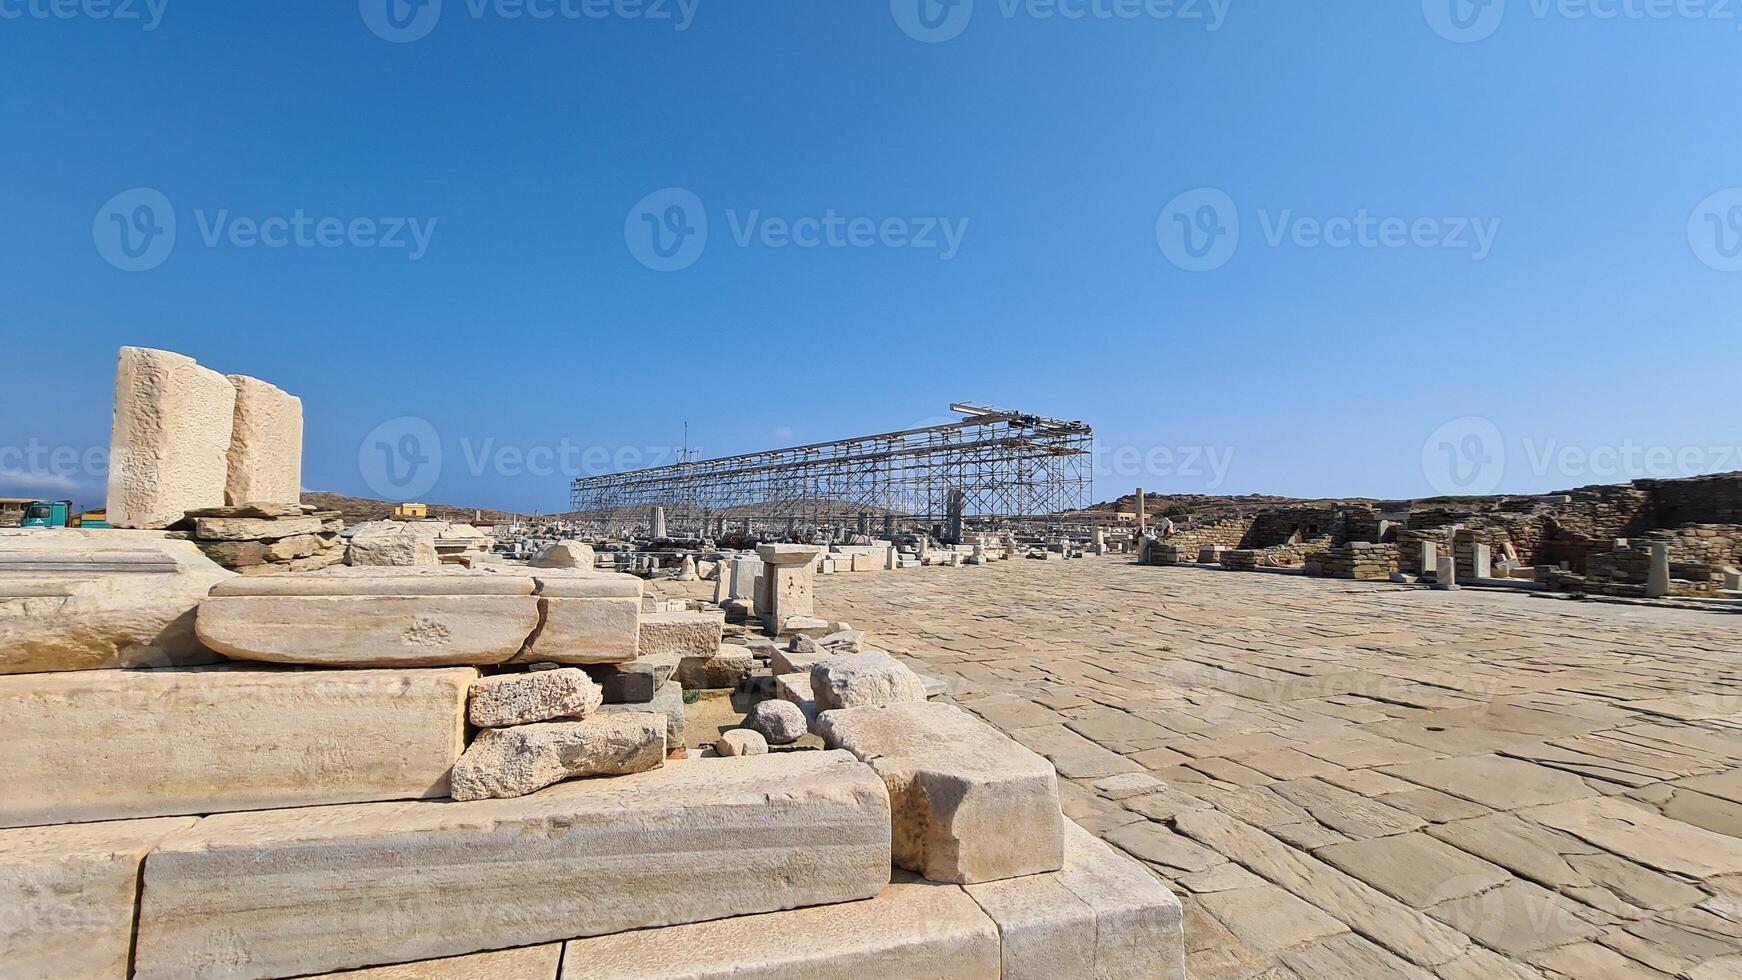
x=997 y=466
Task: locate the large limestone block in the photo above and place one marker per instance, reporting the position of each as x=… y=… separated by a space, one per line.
x=682 y=634
x=587 y=619
x=255 y=528
x=970 y=804
x=910 y=930
x=295 y=891
x=170 y=446
x=726 y=667
x=1101 y=916
x=541 y=695
x=507 y=762
x=862 y=680
x=352 y=620
x=668 y=702
x=89 y=600
x=106 y=745
x=525 y=963
x=67 y=896
x=566 y=554
x=265 y=458
x=402 y=544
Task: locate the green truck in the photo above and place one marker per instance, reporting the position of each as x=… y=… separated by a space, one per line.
x=59 y=513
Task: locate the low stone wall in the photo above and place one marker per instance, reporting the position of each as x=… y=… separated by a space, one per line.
x=1359 y=560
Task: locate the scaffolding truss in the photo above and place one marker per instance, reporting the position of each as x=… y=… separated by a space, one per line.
x=989 y=467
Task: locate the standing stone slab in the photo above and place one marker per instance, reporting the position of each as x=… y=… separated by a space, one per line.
x=1100 y=916
x=265 y=458
x=92 y=600
x=358 y=620
x=170 y=446
x=67 y=896
x=910 y=930
x=586 y=619
x=970 y=805
x=108 y=745
x=297 y=891
x=503 y=763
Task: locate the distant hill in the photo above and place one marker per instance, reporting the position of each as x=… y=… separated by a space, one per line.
x=359 y=509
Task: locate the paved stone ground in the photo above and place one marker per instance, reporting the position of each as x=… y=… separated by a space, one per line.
x=1346 y=780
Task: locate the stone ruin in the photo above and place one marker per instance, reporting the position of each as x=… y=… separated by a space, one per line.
x=482 y=772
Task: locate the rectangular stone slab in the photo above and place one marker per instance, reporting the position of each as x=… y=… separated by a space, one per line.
x=67 y=896
x=970 y=804
x=368 y=581
x=298 y=891
x=585 y=631
x=114 y=744
x=369 y=630
x=265 y=461
x=1102 y=915
x=169 y=446
x=682 y=634
x=526 y=963
x=911 y=929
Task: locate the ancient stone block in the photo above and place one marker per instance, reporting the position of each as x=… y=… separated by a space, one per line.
x=254 y=528
x=525 y=963
x=1101 y=916
x=170 y=445
x=587 y=619
x=107 y=745
x=727 y=667
x=631 y=683
x=394 y=544
x=681 y=634
x=356 y=620
x=911 y=929
x=784 y=587
x=508 y=762
x=741 y=741
x=293 y=891
x=667 y=701
x=566 y=554
x=89 y=600
x=970 y=804
x=265 y=457
x=859 y=680
x=67 y=896
x=521 y=699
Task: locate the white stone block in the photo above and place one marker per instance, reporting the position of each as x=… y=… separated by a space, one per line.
x=67 y=896
x=587 y=619
x=296 y=891
x=682 y=634
x=502 y=763
x=525 y=963
x=169 y=448
x=265 y=458
x=970 y=804
x=860 y=680
x=107 y=745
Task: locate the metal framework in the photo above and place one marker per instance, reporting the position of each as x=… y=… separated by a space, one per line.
x=996 y=465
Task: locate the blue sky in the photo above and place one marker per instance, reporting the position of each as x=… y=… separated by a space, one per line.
x=1537 y=285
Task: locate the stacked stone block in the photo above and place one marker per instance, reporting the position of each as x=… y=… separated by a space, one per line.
x=269 y=539
x=1358 y=560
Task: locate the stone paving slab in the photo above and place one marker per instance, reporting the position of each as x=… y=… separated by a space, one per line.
x=1365 y=780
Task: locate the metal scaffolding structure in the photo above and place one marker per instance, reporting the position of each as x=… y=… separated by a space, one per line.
x=990 y=466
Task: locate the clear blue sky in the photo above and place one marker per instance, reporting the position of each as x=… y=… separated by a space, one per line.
x=1593 y=318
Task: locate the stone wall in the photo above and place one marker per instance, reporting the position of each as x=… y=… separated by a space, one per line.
x=1360 y=560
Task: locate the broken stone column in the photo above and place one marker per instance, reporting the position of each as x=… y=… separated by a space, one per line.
x=1446 y=574
x=1657 y=581
x=169 y=449
x=265 y=459
x=785 y=583
x=658 y=520
x=958 y=502
x=1100 y=541
x=1142 y=514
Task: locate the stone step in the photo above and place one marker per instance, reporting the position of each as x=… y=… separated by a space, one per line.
x=119 y=744
x=321 y=889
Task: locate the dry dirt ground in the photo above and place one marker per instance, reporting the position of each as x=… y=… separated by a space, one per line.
x=1350 y=780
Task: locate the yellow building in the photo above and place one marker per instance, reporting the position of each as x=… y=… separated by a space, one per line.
x=411 y=512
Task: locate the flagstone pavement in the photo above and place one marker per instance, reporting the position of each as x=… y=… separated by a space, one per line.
x=1351 y=780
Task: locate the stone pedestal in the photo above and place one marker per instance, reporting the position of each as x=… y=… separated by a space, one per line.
x=1481 y=561
x=1100 y=541
x=1446 y=574
x=784 y=588
x=1657 y=582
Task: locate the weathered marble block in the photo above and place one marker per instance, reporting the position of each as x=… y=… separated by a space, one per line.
x=107 y=745
x=525 y=963
x=970 y=804
x=170 y=445
x=682 y=634
x=265 y=457
x=586 y=619
x=67 y=896
x=296 y=891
